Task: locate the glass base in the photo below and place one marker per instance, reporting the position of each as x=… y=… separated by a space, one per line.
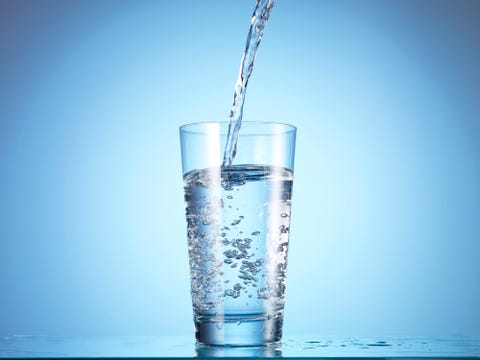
x=239 y=332
x=215 y=351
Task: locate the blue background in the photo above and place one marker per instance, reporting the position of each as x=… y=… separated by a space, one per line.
x=385 y=233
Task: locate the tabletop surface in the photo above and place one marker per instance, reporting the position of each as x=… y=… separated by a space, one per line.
x=38 y=346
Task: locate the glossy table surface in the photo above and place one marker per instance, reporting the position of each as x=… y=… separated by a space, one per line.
x=38 y=346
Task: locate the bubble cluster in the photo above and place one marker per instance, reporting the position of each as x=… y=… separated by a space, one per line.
x=238 y=222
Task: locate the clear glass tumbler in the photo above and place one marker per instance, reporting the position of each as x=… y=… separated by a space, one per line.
x=238 y=226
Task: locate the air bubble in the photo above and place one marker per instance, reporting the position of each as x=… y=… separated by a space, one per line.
x=212 y=271
x=262 y=293
x=282 y=247
x=237 y=287
x=233 y=293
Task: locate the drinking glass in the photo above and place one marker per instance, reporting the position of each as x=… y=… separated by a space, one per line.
x=238 y=227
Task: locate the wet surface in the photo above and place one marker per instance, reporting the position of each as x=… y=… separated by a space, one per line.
x=38 y=346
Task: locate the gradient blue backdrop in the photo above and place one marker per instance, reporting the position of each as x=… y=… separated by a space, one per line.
x=386 y=215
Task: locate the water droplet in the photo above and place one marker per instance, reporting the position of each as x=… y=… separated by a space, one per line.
x=379 y=343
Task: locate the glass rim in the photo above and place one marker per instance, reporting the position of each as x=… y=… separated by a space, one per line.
x=202 y=127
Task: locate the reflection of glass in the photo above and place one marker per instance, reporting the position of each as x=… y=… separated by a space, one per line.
x=208 y=351
x=238 y=224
